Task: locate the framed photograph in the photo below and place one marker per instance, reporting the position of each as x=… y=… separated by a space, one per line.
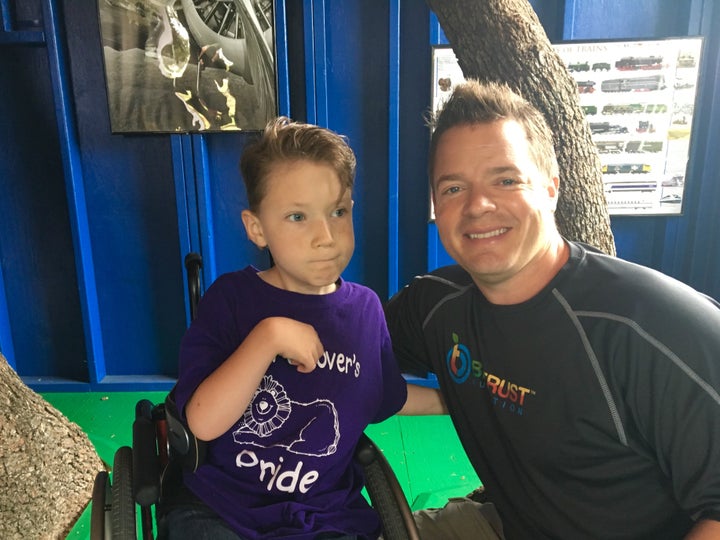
x=184 y=66
x=639 y=100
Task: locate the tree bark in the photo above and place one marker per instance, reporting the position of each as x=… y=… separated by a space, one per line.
x=503 y=41
x=47 y=464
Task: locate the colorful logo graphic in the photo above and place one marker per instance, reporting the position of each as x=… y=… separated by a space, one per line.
x=505 y=394
x=458 y=361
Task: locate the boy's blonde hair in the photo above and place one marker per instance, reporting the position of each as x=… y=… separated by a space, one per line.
x=285 y=141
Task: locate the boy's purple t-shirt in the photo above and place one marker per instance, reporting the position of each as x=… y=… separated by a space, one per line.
x=286 y=469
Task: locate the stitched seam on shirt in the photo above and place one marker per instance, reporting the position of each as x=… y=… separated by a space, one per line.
x=674 y=358
x=444 y=281
x=595 y=365
x=459 y=292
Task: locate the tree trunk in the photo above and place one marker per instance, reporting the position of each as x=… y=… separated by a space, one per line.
x=47 y=464
x=503 y=41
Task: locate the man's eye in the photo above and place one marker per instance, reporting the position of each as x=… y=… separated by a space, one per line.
x=451 y=190
x=508 y=182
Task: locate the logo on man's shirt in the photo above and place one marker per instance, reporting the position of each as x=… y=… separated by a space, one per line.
x=463 y=369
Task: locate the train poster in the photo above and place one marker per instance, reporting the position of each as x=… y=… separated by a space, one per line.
x=638 y=98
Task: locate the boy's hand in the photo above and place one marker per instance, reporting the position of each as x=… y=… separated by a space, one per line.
x=298 y=343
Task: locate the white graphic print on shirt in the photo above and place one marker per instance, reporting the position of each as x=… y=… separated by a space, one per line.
x=272 y=419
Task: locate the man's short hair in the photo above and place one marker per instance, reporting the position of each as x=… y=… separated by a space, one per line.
x=473 y=102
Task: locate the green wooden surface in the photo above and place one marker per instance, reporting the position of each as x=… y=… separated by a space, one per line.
x=424 y=451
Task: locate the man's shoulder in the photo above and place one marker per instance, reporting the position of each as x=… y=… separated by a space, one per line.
x=443 y=280
x=453 y=274
x=428 y=289
x=638 y=287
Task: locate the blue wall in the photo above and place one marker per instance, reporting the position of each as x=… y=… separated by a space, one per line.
x=94 y=226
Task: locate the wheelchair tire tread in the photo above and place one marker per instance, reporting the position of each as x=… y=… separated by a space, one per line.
x=123 y=505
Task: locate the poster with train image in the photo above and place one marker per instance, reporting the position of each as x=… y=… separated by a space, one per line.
x=639 y=101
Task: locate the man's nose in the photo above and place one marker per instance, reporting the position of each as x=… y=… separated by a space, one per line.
x=479 y=201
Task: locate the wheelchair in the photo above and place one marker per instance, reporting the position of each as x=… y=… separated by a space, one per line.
x=148 y=475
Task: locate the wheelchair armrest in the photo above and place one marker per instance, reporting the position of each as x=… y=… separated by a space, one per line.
x=145 y=462
x=385 y=492
x=184 y=446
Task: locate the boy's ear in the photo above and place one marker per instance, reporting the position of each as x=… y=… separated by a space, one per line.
x=253 y=228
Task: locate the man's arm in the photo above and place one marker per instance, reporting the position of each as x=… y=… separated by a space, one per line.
x=423 y=400
x=705 y=529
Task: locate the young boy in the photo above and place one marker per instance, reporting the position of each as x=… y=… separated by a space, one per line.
x=283 y=368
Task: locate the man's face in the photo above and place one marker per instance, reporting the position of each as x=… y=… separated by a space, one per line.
x=493 y=207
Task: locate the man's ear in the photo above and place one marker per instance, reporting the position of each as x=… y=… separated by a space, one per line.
x=554 y=191
x=253 y=228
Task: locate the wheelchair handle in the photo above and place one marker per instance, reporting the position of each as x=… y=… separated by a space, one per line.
x=193 y=264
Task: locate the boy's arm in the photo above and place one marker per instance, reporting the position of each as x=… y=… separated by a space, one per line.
x=423 y=400
x=223 y=396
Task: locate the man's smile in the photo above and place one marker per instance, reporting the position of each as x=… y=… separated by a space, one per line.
x=490 y=234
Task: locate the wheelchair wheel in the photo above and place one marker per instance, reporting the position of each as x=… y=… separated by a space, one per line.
x=99 y=515
x=122 y=515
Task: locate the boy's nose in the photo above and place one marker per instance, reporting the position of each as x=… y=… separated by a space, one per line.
x=322 y=234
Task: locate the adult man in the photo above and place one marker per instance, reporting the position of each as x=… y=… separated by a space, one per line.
x=585 y=389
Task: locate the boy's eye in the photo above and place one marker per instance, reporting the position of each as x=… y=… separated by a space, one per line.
x=340 y=212
x=295 y=217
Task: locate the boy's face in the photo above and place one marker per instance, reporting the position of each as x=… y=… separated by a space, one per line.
x=305 y=219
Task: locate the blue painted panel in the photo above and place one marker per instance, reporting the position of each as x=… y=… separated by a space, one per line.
x=226 y=194
x=698 y=240
x=7 y=347
x=356 y=67
x=295 y=15
x=281 y=56
x=132 y=219
x=413 y=137
x=438 y=255
x=43 y=323
x=619 y=19
x=393 y=147
x=74 y=188
x=634 y=237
